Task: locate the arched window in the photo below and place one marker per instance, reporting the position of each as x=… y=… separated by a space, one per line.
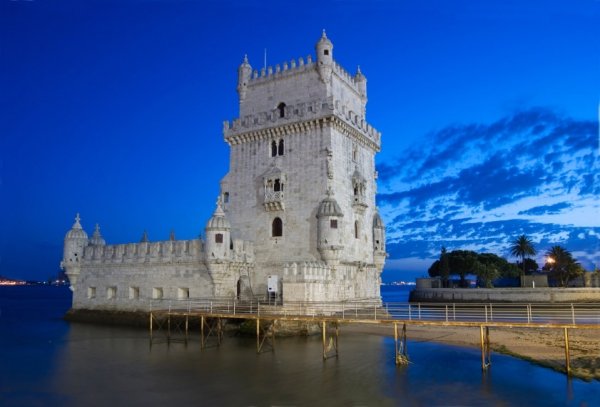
x=280 y=149
x=355 y=191
x=277 y=185
x=281 y=108
x=277 y=227
x=273 y=148
x=356 y=229
x=226 y=197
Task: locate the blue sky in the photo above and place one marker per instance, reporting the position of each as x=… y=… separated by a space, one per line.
x=489 y=114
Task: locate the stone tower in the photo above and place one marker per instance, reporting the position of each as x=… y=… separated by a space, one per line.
x=75 y=242
x=302 y=179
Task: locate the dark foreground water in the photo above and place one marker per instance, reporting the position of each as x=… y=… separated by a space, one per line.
x=45 y=361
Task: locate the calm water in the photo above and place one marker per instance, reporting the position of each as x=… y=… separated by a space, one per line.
x=45 y=361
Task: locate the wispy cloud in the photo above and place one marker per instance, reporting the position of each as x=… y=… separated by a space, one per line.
x=477 y=186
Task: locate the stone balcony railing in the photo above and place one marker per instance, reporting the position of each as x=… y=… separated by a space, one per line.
x=274 y=201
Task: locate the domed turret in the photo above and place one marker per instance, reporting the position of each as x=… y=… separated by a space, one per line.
x=324 y=49
x=75 y=241
x=361 y=81
x=379 y=253
x=97 y=239
x=217 y=235
x=329 y=242
x=244 y=75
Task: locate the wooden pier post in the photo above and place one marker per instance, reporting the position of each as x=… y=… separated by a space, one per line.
x=485 y=347
x=567 y=357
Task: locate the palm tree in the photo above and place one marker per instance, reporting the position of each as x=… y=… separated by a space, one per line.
x=561 y=265
x=522 y=247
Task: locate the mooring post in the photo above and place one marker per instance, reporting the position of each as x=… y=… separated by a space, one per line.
x=487 y=346
x=567 y=357
x=151 y=328
x=169 y=328
x=202 y=332
x=186 y=328
x=324 y=335
x=482 y=347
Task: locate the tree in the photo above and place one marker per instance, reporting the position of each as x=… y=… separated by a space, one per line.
x=561 y=265
x=522 y=247
x=444 y=267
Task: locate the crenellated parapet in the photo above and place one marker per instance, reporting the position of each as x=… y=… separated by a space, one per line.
x=299 y=118
x=282 y=70
x=169 y=251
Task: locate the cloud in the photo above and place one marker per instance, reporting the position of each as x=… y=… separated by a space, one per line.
x=478 y=186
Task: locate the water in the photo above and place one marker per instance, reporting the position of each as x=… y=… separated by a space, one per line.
x=45 y=361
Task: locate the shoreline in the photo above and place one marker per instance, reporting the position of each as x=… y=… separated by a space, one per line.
x=541 y=346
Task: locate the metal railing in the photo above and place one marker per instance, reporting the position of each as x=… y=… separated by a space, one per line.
x=532 y=313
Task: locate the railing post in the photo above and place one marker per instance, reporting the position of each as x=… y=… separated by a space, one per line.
x=486 y=314
x=211 y=309
x=528 y=313
x=446 y=312
x=234 y=306
x=409 y=313
x=491 y=313
x=343 y=311
x=573 y=314
x=419 y=311
x=375 y=312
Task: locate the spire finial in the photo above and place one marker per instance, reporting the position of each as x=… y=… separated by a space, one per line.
x=77 y=225
x=324 y=34
x=144 y=237
x=245 y=58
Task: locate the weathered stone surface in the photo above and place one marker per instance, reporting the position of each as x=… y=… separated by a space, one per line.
x=298 y=203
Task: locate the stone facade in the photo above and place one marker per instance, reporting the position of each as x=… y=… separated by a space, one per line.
x=297 y=203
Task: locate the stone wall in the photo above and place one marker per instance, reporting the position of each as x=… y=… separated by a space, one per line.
x=521 y=295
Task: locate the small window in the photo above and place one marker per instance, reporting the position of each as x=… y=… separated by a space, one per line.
x=219 y=238
x=273 y=148
x=354 y=154
x=226 y=197
x=326 y=52
x=134 y=293
x=91 y=292
x=333 y=223
x=183 y=293
x=355 y=191
x=111 y=293
x=277 y=186
x=157 y=293
x=277 y=228
x=281 y=108
x=280 y=148
x=356 y=229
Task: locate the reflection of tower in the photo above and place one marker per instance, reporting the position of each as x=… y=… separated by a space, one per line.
x=75 y=241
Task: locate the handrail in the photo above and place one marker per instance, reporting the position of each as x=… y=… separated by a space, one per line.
x=527 y=313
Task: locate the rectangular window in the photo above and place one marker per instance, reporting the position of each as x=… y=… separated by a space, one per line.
x=183 y=293
x=111 y=293
x=157 y=293
x=219 y=238
x=91 y=292
x=333 y=223
x=134 y=293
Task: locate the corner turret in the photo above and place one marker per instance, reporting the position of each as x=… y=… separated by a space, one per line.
x=324 y=49
x=330 y=229
x=218 y=237
x=379 y=253
x=75 y=241
x=244 y=75
x=361 y=83
x=97 y=239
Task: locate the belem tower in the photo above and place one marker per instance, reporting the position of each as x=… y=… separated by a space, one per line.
x=296 y=217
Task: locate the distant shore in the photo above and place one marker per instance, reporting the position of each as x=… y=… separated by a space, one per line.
x=542 y=346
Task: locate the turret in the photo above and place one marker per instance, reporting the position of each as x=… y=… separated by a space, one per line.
x=97 y=239
x=244 y=75
x=361 y=82
x=379 y=253
x=218 y=236
x=324 y=50
x=329 y=229
x=75 y=241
